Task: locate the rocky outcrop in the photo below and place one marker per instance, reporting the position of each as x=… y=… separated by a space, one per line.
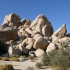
x=8 y=33
x=11 y=20
x=41 y=24
x=25 y=36
x=61 y=32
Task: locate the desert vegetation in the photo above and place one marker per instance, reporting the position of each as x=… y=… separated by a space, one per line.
x=3 y=47
x=6 y=67
x=59 y=59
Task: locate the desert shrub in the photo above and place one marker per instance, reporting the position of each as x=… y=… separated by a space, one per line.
x=5 y=59
x=38 y=65
x=3 y=47
x=13 y=55
x=6 y=67
x=62 y=59
x=29 y=68
x=59 y=59
x=0 y=58
x=46 y=60
x=15 y=59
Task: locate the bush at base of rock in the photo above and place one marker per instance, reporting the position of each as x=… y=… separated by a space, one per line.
x=59 y=59
x=6 y=67
x=3 y=47
x=14 y=56
x=38 y=65
x=15 y=59
x=5 y=59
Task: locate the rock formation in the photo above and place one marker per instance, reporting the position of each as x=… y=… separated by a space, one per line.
x=26 y=36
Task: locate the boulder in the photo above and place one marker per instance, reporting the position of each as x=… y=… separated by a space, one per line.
x=21 y=32
x=11 y=20
x=15 y=51
x=8 y=33
x=36 y=35
x=28 y=43
x=64 y=40
x=42 y=25
x=39 y=53
x=61 y=32
x=40 y=43
x=25 y=22
x=51 y=47
x=55 y=39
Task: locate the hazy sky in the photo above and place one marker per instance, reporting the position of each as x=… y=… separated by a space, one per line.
x=57 y=11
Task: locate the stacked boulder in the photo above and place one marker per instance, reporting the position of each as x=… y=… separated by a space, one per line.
x=26 y=36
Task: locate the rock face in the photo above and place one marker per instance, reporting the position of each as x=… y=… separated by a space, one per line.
x=37 y=36
x=40 y=43
x=41 y=24
x=15 y=51
x=8 y=33
x=11 y=20
x=61 y=32
x=28 y=43
x=51 y=47
x=39 y=53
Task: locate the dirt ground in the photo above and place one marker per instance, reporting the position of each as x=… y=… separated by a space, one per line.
x=18 y=65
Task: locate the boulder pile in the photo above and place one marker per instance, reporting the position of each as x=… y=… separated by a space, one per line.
x=26 y=36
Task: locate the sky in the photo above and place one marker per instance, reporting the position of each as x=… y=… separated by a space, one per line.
x=57 y=11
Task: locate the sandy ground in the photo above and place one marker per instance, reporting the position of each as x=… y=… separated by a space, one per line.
x=18 y=65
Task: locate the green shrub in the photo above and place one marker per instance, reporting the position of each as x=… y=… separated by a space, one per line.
x=13 y=55
x=6 y=67
x=59 y=59
x=3 y=47
x=5 y=59
x=38 y=65
x=0 y=58
x=30 y=68
x=46 y=60
x=15 y=59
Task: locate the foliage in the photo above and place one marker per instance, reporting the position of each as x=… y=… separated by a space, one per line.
x=38 y=65
x=60 y=58
x=13 y=55
x=3 y=47
x=15 y=59
x=5 y=59
x=6 y=67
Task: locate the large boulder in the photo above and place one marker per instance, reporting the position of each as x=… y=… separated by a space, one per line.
x=11 y=20
x=42 y=25
x=28 y=43
x=8 y=33
x=51 y=47
x=15 y=51
x=64 y=40
x=36 y=34
x=55 y=39
x=22 y=48
x=39 y=53
x=40 y=43
x=61 y=32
